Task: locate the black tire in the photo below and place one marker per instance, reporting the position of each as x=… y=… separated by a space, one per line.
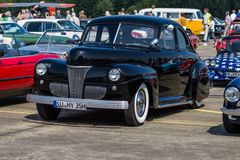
x=229 y=126
x=136 y=115
x=47 y=112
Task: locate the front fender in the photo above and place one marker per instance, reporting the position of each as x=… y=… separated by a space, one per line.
x=200 y=82
x=57 y=72
x=132 y=76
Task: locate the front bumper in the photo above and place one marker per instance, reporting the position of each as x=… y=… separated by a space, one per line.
x=90 y=103
x=231 y=112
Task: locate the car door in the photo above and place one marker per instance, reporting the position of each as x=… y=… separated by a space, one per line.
x=167 y=67
x=186 y=58
x=13 y=75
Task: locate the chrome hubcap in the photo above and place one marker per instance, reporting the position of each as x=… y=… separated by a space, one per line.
x=141 y=103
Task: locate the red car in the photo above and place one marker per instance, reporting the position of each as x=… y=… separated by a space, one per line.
x=221 y=44
x=17 y=70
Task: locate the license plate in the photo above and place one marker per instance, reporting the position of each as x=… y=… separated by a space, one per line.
x=233 y=74
x=70 y=105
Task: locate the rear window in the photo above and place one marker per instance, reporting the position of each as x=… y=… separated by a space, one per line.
x=174 y=15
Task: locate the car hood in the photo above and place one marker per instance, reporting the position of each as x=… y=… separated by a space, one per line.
x=92 y=56
x=56 y=48
x=228 y=61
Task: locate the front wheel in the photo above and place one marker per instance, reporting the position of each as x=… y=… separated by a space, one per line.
x=229 y=126
x=47 y=112
x=137 y=112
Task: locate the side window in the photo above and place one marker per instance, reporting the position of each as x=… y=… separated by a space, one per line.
x=92 y=34
x=190 y=15
x=105 y=35
x=182 y=43
x=167 y=39
x=34 y=27
x=171 y=15
x=50 y=26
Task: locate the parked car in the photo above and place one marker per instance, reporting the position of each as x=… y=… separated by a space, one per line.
x=230 y=110
x=55 y=41
x=226 y=65
x=17 y=70
x=221 y=43
x=116 y=68
x=8 y=28
x=194 y=17
x=39 y=26
x=219 y=26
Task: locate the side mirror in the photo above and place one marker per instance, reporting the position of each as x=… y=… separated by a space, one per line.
x=154 y=44
x=170 y=27
x=76 y=37
x=2 y=53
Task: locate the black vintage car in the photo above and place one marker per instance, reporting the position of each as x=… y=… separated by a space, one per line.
x=127 y=63
x=231 y=107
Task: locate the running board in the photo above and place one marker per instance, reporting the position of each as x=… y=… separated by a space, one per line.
x=174 y=104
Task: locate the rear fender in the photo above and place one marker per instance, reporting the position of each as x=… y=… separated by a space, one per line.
x=200 y=82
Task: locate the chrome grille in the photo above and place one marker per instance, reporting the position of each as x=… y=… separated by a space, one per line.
x=94 y=92
x=76 y=76
x=59 y=89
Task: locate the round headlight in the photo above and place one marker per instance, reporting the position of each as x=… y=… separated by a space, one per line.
x=213 y=63
x=114 y=75
x=41 y=69
x=207 y=62
x=232 y=94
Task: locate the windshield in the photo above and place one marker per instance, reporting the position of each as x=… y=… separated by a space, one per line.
x=68 y=25
x=12 y=28
x=121 y=34
x=59 y=37
x=200 y=15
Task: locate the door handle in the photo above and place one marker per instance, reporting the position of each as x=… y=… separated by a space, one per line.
x=20 y=62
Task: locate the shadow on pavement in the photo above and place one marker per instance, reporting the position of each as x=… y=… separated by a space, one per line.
x=101 y=118
x=12 y=101
x=220 y=131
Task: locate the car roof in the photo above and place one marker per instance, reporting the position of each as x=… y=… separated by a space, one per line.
x=42 y=20
x=139 y=19
x=172 y=9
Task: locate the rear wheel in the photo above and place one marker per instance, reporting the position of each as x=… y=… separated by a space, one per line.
x=47 y=112
x=137 y=112
x=229 y=126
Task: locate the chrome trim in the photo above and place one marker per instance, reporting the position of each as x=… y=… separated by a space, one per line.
x=232 y=112
x=174 y=104
x=76 y=77
x=115 y=38
x=90 y=103
x=59 y=89
x=94 y=92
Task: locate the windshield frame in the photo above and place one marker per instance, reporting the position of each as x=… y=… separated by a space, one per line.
x=86 y=31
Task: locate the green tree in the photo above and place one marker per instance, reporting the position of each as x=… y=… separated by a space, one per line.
x=103 y=6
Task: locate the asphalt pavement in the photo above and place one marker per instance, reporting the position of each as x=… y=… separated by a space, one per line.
x=168 y=134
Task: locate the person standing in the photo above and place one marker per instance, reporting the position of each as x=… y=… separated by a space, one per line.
x=68 y=16
x=206 y=22
x=183 y=21
x=227 y=23
x=82 y=15
x=154 y=12
x=233 y=15
x=75 y=19
x=58 y=15
x=238 y=14
x=212 y=30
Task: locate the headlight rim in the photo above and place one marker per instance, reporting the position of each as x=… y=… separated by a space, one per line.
x=227 y=98
x=45 y=72
x=114 y=79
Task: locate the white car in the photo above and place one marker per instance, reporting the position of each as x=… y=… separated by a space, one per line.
x=39 y=26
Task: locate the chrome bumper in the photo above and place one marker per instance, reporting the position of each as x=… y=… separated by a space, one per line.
x=232 y=112
x=90 y=103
